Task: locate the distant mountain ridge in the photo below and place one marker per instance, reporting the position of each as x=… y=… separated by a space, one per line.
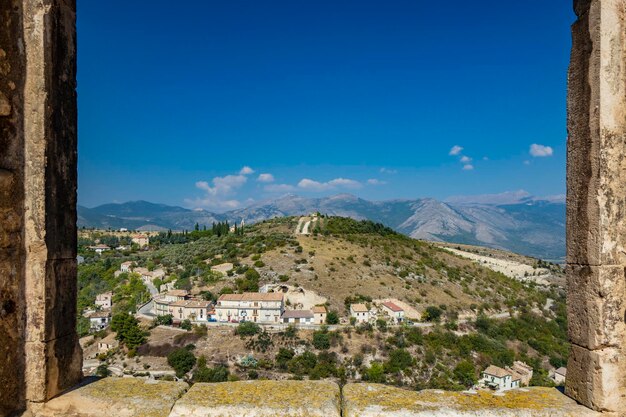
x=524 y=225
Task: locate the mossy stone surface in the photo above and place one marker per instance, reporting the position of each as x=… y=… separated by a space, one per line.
x=260 y=399
x=119 y=397
x=374 y=400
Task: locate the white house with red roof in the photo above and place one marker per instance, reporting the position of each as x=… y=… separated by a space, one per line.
x=393 y=310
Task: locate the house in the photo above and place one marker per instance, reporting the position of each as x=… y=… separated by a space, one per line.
x=500 y=379
x=99 y=320
x=99 y=248
x=162 y=302
x=393 y=310
x=107 y=343
x=104 y=300
x=194 y=310
x=360 y=312
x=126 y=266
x=558 y=376
x=319 y=314
x=141 y=240
x=250 y=306
x=298 y=317
x=524 y=371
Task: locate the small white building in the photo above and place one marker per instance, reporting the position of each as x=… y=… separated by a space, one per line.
x=500 y=379
x=162 y=302
x=126 y=266
x=393 y=310
x=558 y=375
x=99 y=248
x=104 y=300
x=319 y=314
x=298 y=317
x=99 y=320
x=360 y=312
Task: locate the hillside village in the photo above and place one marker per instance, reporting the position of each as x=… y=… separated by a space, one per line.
x=313 y=297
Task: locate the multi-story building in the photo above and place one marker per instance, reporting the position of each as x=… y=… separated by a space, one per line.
x=250 y=306
x=104 y=300
x=194 y=310
x=141 y=240
x=319 y=314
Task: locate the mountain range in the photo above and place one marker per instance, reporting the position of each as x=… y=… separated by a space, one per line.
x=519 y=223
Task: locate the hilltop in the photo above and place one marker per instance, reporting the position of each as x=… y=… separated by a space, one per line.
x=528 y=225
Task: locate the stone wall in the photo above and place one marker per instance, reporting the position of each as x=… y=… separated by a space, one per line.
x=596 y=206
x=39 y=351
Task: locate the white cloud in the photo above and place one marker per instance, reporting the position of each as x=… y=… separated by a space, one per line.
x=246 y=170
x=218 y=192
x=265 y=178
x=312 y=185
x=384 y=170
x=466 y=159
x=374 y=181
x=455 y=150
x=279 y=188
x=468 y=167
x=539 y=151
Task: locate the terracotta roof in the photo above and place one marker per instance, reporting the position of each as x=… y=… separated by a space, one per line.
x=561 y=371
x=178 y=293
x=127 y=263
x=393 y=307
x=99 y=247
x=360 y=308
x=496 y=371
x=319 y=309
x=297 y=314
x=252 y=296
x=100 y=314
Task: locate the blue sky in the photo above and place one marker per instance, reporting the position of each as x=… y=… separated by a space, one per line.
x=366 y=97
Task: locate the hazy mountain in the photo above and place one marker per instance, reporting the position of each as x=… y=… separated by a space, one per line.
x=517 y=222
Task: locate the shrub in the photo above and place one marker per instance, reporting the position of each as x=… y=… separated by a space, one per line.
x=103 y=371
x=399 y=360
x=432 y=313
x=376 y=373
x=186 y=324
x=321 y=340
x=332 y=317
x=182 y=360
x=247 y=328
x=164 y=320
x=218 y=374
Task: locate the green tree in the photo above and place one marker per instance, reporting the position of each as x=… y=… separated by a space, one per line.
x=332 y=317
x=128 y=331
x=182 y=360
x=465 y=373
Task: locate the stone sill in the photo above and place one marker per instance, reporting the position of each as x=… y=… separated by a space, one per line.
x=126 y=397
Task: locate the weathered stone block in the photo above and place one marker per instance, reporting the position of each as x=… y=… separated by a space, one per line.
x=596 y=305
x=260 y=399
x=54 y=366
x=113 y=397
x=60 y=306
x=374 y=400
x=596 y=167
x=596 y=378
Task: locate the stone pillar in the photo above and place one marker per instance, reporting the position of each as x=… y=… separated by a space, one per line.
x=596 y=206
x=39 y=351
